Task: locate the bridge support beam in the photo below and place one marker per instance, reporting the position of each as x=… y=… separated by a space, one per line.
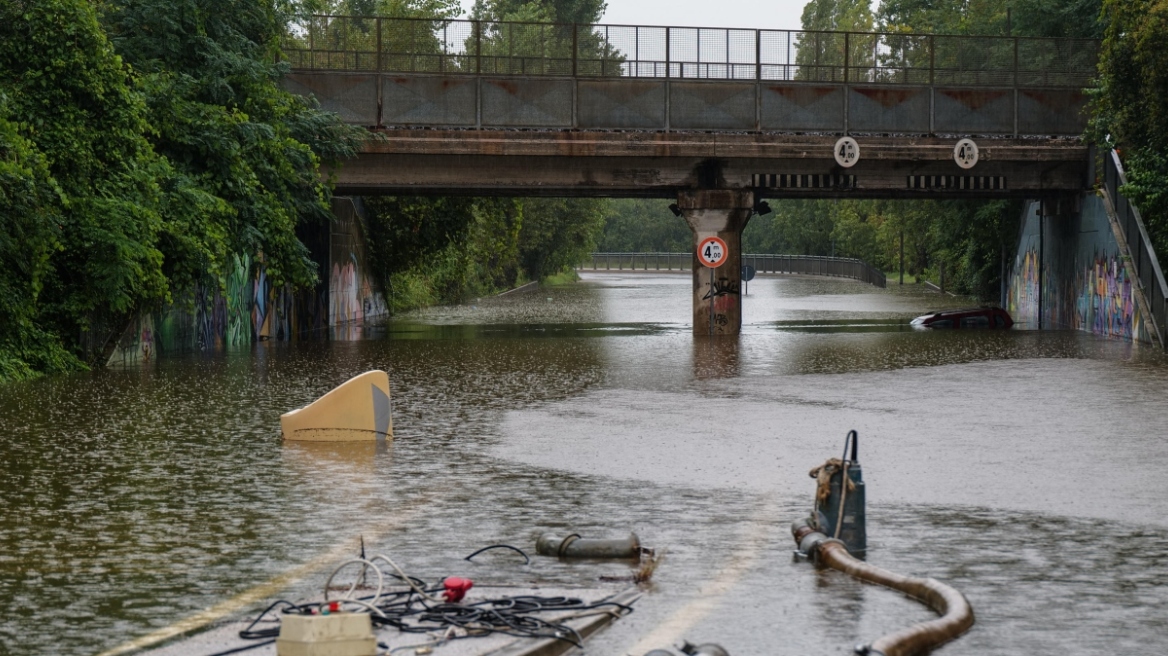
x=717 y=213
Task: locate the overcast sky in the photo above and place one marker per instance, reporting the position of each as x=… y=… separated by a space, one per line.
x=765 y=14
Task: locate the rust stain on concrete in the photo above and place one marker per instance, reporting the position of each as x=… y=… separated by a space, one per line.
x=975 y=100
x=510 y=87
x=803 y=96
x=889 y=97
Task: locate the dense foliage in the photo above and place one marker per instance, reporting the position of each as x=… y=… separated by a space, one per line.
x=428 y=251
x=73 y=100
x=1132 y=104
x=30 y=232
x=248 y=151
x=142 y=147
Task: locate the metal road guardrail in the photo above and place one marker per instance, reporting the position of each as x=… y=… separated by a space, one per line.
x=399 y=72
x=414 y=45
x=811 y=265
x=1143 y=255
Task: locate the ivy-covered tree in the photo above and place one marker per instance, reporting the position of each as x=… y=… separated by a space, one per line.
x=246 y=152
x=71 y=95
x=1131 y=108
x=30 y=226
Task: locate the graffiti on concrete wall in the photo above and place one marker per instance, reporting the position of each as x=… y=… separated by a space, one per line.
x=1022 y=298
x=352 y=296
x=1105 y=303
x=243 y=306
x=1084 y=284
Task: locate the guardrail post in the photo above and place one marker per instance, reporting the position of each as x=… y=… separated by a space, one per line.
x=378 y=27
x=757 y=55
x=478 y=29
x=932 y=60
x=847 y=58
x=1015 y=87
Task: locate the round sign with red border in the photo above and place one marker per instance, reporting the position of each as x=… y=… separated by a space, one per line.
x=712 y=252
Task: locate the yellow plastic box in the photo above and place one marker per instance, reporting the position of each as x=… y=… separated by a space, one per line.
x=338 y=634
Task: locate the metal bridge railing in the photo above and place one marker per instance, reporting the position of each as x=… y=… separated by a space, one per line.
x=813 y=265
x=412 y=45
x=1143 y=255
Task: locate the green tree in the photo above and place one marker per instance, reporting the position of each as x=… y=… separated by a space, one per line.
x=405 y=232
x=1045 y=18
x=583 y=12
x=30 y=215
x=246 y=153
x=72 y=97
x=643 y=226
x=557 y=234
x=1131 y=108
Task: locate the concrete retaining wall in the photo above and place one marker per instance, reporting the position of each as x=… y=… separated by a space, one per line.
x=1068 y=274
x=245 y=307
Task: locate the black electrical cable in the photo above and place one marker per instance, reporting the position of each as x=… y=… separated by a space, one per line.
x=410 y=612
x=248 y=634
x=526 y=560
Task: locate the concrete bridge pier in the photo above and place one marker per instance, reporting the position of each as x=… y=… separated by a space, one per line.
x=724 y=214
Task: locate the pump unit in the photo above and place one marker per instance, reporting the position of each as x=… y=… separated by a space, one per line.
x=839 y=507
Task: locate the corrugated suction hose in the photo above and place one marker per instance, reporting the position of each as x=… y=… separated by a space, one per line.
x=956 y=613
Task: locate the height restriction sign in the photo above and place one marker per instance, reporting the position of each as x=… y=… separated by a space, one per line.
x=712 y=252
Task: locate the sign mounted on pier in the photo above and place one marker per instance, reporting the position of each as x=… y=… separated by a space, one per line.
x=712 y=252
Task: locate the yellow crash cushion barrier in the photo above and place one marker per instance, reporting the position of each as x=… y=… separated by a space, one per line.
x=358 y=410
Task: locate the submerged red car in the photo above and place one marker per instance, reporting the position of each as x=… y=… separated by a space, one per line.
x=982 y=317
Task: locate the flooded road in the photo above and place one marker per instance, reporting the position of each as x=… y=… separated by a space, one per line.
x=1023 y=468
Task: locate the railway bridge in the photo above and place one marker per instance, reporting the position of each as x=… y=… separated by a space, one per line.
x=716 y=119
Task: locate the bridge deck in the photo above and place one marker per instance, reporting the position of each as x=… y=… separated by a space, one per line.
x=537 y=109
x=626 y=164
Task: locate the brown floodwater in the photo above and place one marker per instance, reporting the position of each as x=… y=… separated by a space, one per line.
x=1024 y=468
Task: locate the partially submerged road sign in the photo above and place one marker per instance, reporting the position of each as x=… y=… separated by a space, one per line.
x=712 y=252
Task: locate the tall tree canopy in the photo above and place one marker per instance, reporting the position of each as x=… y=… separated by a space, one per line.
x=71 y=96
x=1131 y=109
x=249 y=150
x=141 y=147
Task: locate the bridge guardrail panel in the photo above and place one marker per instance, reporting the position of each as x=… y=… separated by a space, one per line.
x=884 y=108
x=713 y=105
x=564 y=49
x=429 y=100
x=802 y=107
x=351 y=95
x=973 y=111
x=1052 y=111
x=621 y=104
x=527 y=102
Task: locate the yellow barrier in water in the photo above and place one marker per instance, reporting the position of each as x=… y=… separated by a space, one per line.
x=357 y=410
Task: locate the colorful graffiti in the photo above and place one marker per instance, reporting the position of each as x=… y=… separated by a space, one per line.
x=1106 y=303
x=244 y=306
x=1022 y=299
x=239 y=295
x=352 y=297
x=1084 y=283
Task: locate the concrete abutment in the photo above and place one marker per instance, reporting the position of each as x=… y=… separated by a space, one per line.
x=717 y=293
